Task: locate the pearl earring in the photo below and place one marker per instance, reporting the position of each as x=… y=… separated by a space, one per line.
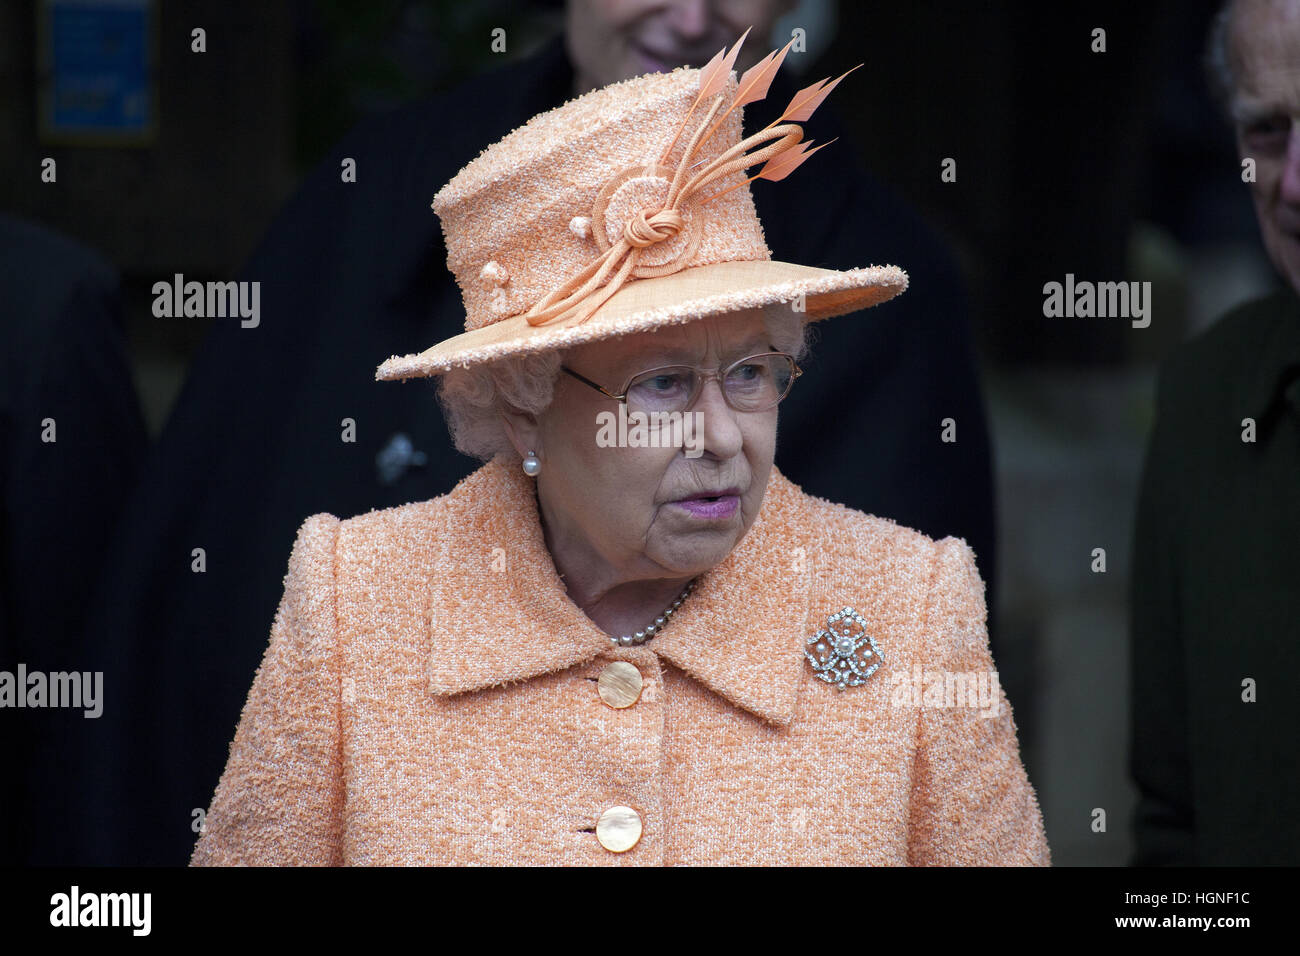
x=532 y=465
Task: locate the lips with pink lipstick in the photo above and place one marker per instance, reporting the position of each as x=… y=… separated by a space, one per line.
x=711 y=505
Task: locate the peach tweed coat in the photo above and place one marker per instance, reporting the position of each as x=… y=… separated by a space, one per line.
x=429 y=696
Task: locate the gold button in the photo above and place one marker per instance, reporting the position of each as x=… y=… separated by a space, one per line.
x=618 y=829
x=619 y=684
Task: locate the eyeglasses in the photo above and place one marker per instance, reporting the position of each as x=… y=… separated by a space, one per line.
x=752 y=384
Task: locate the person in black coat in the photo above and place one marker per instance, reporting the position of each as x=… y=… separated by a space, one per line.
x=1215 y=602
x=72 y=442
x=283 y=420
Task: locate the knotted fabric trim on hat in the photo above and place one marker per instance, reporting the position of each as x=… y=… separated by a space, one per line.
x=582 y=295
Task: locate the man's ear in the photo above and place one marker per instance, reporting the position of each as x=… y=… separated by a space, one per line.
x=522 y=430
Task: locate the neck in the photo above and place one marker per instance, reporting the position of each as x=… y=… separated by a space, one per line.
x=618 y=603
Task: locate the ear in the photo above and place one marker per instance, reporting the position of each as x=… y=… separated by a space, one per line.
x=522 y=430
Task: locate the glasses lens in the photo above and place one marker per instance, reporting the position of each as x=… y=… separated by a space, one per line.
x=662 y=390
x=760 y=381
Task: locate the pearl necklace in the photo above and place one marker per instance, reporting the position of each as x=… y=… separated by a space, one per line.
x=640 y=637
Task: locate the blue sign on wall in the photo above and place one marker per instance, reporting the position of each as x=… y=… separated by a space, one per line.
x=97 y=83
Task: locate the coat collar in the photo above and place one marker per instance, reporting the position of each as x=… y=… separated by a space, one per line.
x=741 y=632
x=1277 y=376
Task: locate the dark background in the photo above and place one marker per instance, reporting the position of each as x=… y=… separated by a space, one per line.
x=1109 y=165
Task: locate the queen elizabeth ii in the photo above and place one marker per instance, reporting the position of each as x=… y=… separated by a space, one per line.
x=607 y=650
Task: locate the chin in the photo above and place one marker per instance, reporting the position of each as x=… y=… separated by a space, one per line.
x=1289 y=268
x=699 y=560
x=1291 y=264
x=1284 y=249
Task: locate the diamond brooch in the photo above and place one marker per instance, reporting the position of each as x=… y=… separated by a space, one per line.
x=843 y=653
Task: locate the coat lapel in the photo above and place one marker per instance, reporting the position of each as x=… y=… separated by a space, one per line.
x=501 y=613
x=742 y=631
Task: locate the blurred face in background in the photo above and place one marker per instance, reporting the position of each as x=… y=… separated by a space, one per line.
x=1264 y=53
x=612 y=40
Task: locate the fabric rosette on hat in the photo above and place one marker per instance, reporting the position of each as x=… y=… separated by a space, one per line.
x=628 y=209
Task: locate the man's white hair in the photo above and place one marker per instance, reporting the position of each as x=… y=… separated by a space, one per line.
x=472 y=399
x=1218 y=58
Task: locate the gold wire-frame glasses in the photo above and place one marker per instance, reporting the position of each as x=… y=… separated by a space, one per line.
x=674 y=388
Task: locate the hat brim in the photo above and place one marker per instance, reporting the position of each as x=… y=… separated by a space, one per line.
x=649 y=304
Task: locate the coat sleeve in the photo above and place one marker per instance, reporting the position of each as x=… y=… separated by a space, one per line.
x=280 y=798
x=972 y=803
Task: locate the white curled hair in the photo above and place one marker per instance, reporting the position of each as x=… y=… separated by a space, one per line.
x=473 y=398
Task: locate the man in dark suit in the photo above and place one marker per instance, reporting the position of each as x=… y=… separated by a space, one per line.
x=353 y=272
x=1216 y=572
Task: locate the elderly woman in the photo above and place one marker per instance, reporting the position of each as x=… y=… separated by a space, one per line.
x=627 y=638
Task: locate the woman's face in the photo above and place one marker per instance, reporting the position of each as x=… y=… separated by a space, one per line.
x=625 y=506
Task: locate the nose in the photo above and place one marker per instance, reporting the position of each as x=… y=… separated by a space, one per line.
x=1291 y=169
x=719 y=428
x=690 y=18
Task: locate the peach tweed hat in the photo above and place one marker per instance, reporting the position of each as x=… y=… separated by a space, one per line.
x=625 y=210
